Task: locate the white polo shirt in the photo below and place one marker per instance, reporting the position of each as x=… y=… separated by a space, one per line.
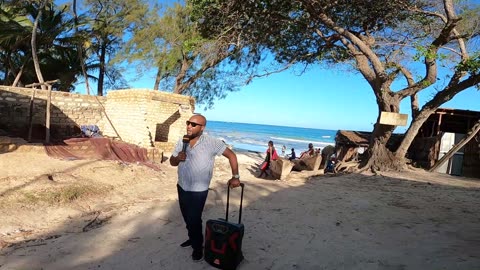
x=195 y=173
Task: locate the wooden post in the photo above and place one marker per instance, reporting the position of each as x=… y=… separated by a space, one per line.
x=49 y=101
x=47 y=117
x=30 y=114
x=470 y=135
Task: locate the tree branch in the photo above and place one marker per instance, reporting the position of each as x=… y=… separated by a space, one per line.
x=452 y=89
x=361 y=45
x=287 y=66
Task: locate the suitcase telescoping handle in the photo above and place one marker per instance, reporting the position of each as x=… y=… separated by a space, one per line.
x=241 y=201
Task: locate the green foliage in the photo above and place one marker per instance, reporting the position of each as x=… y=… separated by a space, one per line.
x=471 y=65
x=292 y=30
x=187 y=62
x=423 y=52
x=55 y=44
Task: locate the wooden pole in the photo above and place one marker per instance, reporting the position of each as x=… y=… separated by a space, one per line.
x=470 y=135
x=49 y=101
x=30 y=114
x=47 y=117
x=108 y=119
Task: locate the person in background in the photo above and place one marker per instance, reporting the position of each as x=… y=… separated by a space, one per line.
x=284 y=148
x=195 y=158
x=271 y=155
x=308 y=153
x=292 y=154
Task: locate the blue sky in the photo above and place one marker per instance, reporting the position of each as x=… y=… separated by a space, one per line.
x=324 y=99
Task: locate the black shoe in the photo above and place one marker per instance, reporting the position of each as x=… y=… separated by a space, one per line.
x=197 y=255
x=186 y=244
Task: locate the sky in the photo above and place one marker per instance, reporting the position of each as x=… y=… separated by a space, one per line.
x=320 y=98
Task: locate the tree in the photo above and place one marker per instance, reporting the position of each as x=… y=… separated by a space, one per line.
x=385 y=41
x=80 y=48
x=109 y=22
x=36 y=63
x=186 y=62
x=55 y=44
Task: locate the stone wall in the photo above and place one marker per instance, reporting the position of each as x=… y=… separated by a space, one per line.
x=139 y=116
x=148 y=118
x=68 y=111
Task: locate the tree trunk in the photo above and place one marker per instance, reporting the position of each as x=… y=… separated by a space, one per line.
x=157 y=80
x=36 y=63
x=19 y=75
x=414 y=106
x=179 y=85
x=101 y=75
x=80 y=49
x=412 y=132
x=378 y=156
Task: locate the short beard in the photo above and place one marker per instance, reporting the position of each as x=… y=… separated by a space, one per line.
x=193 y=136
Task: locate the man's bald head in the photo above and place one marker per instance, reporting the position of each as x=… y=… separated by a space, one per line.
x=198 y=118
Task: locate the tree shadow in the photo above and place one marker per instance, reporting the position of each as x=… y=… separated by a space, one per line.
x=354 y=222
x=15 y=113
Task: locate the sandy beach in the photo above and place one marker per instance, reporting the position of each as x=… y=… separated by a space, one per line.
x=90 y=214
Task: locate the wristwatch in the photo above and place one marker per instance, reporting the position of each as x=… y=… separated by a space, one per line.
x=237 y=176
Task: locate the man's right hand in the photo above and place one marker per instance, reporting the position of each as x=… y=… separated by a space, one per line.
x=175 y=160
x=182 y=156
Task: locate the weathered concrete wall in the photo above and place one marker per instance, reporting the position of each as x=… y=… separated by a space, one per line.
x=139 y=116
x=68 y=111
x=148 y=118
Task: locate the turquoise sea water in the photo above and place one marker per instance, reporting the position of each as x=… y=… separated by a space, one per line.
x=254 y=137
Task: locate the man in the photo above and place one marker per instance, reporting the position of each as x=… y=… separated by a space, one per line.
x=195 y=169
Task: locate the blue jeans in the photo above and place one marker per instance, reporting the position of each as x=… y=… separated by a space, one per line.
x=191 y=206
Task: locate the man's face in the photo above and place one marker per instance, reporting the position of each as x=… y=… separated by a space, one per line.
x=195 y=126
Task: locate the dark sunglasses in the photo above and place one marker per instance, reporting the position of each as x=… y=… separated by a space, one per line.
x=193 y=124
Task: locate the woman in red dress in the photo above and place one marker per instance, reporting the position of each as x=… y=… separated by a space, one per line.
x=271 y=155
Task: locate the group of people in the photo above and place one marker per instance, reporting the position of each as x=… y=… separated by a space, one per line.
x=271 y=154
x=194 y=155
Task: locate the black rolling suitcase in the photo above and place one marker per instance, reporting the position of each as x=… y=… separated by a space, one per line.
x=223 y=239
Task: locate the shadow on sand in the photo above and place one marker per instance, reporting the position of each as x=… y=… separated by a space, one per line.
x=355 y=222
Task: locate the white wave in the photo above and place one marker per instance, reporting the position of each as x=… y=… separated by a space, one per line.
x=302 y=141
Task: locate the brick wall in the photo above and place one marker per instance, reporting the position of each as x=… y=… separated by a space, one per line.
x=139 y=116
x=68 y=111
x=148 y=118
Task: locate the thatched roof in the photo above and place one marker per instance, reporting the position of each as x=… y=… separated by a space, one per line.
x=362 y=139
x=353 y=138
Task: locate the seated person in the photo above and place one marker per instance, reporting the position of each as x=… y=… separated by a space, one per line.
x=292 y=155
x=310 y=152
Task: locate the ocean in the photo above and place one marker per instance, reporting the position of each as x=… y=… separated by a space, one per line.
x=255 y=137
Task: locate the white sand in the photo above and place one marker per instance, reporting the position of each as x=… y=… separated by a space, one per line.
x=398 y=221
